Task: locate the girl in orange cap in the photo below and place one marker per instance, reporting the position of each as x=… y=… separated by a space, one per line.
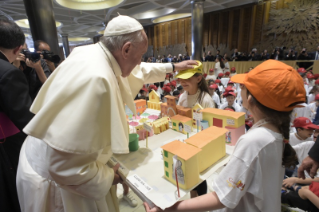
x=252 y=179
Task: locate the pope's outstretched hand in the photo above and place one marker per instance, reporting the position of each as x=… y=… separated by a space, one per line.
x=186 y=64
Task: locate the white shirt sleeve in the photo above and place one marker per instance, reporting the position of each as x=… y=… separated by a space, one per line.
x=232 y=183
x=81 y=174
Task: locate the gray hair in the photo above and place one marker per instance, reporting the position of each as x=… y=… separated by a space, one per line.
x=114 y=43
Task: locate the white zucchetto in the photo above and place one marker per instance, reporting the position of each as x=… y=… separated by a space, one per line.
x=121 y=25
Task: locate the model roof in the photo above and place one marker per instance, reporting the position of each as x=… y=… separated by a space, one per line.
x=160 y=121
x=170 y=97
x=140 y=101
x=182 y=150
x=181 y=118
x=204 y=137
x=153 y=91
x=221 y=112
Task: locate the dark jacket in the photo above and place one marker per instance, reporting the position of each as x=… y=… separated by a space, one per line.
x=15 y=103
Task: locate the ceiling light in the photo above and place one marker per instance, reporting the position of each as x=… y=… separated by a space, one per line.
x=171 y=17
x=24 y=23
x=76 y=39
x=89 y=4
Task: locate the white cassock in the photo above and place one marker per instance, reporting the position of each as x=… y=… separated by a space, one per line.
x=80 y=121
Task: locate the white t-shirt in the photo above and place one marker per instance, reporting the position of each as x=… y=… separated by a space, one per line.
x=190 y=101
x=218 y=69
x=310 y=111
x=293 y=140
x=251 y=181
x=221 y=88
x=311 y=98
x=216 y=99
x=302 y=151
x=235 y=106
x=208 y=77
x=226 y=67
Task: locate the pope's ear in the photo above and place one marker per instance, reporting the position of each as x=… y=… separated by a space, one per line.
x=126 y=48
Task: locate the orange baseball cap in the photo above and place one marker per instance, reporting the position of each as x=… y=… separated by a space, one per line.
x=274 y=84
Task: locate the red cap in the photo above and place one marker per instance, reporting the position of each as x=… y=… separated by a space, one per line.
x=301 y=70
x=225 y=94
x=317 y=97
x=205 y=75
x=167 y=89
x=144 y=89
x=153 y=87
x=229 y=109
x=215 y=86
x=233 y=69
x=310 y=76
x=217 y=81
x=167 y=75
x=317 y=82
x=211 y=70
x=227 y=73
x=230 y=82
x=220 y=75
x=316 y=76
x=229 y=89
x=173 y=83
x=144 y=86
x=305 y=123
x=168 y=84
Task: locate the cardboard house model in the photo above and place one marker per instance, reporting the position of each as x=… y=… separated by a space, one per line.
x=234 y=122
x=154 y=101
x=160 y=125
x=196 y=109
x=184 y=111
x=140 y=106
x=187 y=164
x=179 y=122
x=212 y=143
x=169 y=108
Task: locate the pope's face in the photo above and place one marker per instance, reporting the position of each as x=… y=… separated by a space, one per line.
x=133 y=55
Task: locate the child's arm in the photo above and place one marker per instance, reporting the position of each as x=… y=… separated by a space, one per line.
x=307 y=194
x=293 y=180
x=206 y=202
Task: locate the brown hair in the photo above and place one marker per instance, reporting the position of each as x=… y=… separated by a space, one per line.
x=281 y=120
x=202 y=85
x=314 y=89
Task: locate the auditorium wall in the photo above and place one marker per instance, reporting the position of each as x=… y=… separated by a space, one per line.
x=245 y=27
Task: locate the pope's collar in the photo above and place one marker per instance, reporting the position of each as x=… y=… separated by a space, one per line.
x=115 y=66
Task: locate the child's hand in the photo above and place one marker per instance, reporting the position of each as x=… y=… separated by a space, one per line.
x=148 y=209
x=289 y=182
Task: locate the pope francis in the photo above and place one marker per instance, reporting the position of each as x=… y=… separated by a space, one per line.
x=80 y=121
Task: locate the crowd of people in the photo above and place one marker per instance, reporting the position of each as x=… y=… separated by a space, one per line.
x=59 y=130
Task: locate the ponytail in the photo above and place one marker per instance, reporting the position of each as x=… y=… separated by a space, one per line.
x=281 y=120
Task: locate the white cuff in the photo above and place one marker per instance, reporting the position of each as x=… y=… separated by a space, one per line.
x=168 y=67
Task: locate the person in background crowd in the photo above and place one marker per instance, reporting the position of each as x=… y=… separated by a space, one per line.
x=36 y=72
x=39 y=47
x=158 y=60
x=315 y=55
x=218 y=54
x=180 y=89
x=227 y=67
x=264 y=55
x=209 y=57
x=176 y=94
x=311 y=109
x=275 y=55
x=234 y=56
x=212 y=91
x=304 y=56
x=232 y=71
x=304 y=131
x=312 y=94
x=291 y=55
x=230 y=98
x=211 y=75
x=15 y=114
x=219 y=66
x=164 y=59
